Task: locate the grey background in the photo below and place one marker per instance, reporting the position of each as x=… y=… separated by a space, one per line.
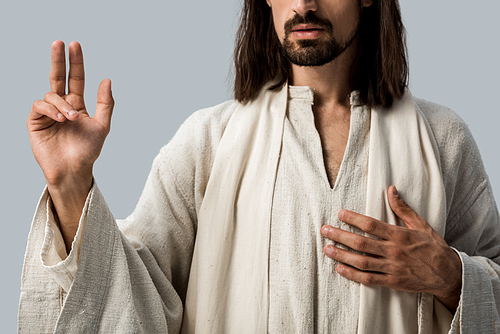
x=169 y=58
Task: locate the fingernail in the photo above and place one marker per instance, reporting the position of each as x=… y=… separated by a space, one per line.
x=396 y=193
x=71 y=112
x=325 y=230
x=341 y=214
x=59 y=115
x=329 y=251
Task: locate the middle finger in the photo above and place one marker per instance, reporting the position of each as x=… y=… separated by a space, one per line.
x=361 y=262
x=76 y=81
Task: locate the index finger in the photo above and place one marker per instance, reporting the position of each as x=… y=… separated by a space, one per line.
x=367 y=224
x=57 y=76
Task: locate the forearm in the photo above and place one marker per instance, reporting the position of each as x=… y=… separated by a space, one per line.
x=68 y=198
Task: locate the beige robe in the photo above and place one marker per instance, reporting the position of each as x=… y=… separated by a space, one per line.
x=119 y=288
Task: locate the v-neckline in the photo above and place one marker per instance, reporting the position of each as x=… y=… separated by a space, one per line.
x=307 y=94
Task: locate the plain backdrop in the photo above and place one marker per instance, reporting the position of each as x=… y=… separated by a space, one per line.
x=169 y=58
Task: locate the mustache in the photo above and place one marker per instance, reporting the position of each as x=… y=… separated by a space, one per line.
x=309 y=18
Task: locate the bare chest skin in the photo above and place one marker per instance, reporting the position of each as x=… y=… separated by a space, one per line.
x=333 y=128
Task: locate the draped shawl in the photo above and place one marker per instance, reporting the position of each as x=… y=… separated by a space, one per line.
x=228 y=284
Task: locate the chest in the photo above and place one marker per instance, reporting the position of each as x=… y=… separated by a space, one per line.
x=304 y=294
x=333 y=130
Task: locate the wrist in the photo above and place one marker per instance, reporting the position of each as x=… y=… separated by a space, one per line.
x=68 y=200
x=68 y=196
x=67 y=180
x=451 y=296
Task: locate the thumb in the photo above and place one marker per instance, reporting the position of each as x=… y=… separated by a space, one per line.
x=402 y=210
x=105 y=104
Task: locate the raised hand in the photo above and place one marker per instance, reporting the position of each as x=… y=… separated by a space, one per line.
x=65 y=140
x=413 y=259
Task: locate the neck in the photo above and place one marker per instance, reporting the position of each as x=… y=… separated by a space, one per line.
x=331 y=82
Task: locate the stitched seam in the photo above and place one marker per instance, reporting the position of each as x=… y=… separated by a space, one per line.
x=170 y=170
x=467 y=204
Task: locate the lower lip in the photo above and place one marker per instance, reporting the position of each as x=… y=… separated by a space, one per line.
x=307 y=34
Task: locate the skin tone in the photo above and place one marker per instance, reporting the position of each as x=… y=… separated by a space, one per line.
x=412 y=259
x=66 y=142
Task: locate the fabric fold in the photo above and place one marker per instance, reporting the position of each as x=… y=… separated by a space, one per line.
x=234 y=218
x=230 y=261
x=228 y=284
x=404 y=153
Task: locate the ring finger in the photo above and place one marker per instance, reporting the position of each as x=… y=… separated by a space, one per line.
x=64 y=107
x=361 y=262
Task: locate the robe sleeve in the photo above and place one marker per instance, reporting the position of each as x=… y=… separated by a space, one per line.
x=473 y=230
x=120 y=286
x=61 y=266
x=473 y=223
x=476 y=236
x=132 y=274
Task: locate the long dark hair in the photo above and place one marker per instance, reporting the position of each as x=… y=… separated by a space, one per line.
x=382 y=74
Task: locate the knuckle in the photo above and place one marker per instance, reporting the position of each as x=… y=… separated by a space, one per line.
x=368 y=279
x=362 y=264
x=77 y=77
x=394 y=233
x=402 y=203
x=48 y=96
x=395 y=280
x=37 y=104
x=55 y=77
x=359 y=244
x=387 y=267
x=371 y=226
x=400 y=235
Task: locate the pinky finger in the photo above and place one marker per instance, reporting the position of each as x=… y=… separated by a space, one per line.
x=41 y=108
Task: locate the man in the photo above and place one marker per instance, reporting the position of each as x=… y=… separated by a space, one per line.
x=237 y=228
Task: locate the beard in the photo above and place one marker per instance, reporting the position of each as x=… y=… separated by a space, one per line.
x=314 y=52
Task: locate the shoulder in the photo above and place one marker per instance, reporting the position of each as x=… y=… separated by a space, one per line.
x=444 y=122
x=188 y=158
x=461 y=162
x=207 y=124
x=452 y=134
x=201 y=130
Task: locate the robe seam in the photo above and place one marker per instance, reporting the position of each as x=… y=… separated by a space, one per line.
x=170 y=170
x=467 y=204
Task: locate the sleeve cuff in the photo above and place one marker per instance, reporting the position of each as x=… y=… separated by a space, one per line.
x=477 y=309
x=61 y=266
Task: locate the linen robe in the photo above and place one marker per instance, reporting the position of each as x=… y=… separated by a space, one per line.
x=133 y=276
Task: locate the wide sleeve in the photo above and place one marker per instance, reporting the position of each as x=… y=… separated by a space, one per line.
x=120 y=286
x=473 y=223
x=476 y=236
x=473 y=226
x=132 y=274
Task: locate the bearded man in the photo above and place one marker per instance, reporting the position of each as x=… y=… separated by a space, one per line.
x=282 y=211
